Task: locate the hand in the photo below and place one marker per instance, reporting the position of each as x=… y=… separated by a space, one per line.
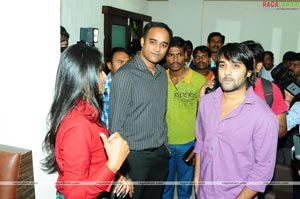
x=207 y=84
x=195 y=186
x=116 y=149
x=288 y=97
x=124 y=186
x=191 y=156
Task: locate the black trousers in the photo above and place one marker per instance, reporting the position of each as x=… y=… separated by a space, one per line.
x=147 y=168
x=296 y=188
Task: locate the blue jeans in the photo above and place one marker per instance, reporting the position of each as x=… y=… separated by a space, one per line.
x=179 y=169
x=59 y=195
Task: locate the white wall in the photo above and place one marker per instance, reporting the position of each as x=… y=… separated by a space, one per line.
x=29 y=58
x=276 y=30
x=183 y=16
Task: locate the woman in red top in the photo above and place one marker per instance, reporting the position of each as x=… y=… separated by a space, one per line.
x=86 y=164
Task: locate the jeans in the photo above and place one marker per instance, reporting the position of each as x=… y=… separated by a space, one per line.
x=59 y=195
x=178 y=168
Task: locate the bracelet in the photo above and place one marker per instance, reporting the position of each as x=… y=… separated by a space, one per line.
x=289 y=101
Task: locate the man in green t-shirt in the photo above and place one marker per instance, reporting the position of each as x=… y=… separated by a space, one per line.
x=183 y=93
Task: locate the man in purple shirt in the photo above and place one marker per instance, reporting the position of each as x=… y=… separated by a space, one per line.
x=236 y=132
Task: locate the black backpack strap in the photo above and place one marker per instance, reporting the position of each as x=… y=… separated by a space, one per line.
x=268 y=91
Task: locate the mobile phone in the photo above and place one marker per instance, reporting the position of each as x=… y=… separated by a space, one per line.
x=187 y=154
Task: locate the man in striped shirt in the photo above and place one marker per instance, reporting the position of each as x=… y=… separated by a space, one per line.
x=138 y=103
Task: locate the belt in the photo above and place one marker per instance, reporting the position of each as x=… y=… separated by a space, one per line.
x=150 y=149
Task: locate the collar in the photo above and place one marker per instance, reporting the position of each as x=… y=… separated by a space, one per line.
x=139 y=63
x=87 y=110
x=210 y=75
x=108 y=77
x=249 y=99
x=187 y=78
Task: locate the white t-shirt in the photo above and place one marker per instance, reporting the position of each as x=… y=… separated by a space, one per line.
x=266 y=74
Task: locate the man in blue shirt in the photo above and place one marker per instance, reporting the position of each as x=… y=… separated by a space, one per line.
x=117 y=58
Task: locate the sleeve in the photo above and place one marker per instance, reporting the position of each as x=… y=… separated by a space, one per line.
x=265 y=146
x=120 y=97
x=76 y=152
x=279 y=106
x=198 y=131
x=293 y=116
x=165 y=117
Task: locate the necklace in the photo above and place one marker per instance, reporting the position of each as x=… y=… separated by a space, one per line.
x=176 y=79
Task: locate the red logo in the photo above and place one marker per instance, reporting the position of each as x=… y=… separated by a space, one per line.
x=270 y=4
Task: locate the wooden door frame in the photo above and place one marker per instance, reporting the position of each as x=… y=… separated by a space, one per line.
x=116 y=16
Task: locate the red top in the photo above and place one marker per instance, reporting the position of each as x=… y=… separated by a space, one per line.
x=80 y=155
x=279 y=106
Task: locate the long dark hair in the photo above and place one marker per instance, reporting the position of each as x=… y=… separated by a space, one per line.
x=77 y=78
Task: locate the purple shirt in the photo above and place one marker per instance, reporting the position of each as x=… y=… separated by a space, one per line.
x=240 y=148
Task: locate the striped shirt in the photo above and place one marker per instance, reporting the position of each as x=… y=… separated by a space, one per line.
x=138 y=103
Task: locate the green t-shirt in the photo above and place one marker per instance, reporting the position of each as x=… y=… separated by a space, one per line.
x=182 y=107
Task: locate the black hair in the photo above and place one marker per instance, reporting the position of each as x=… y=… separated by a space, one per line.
x=270 y=53
x=248 y=42
x=115 y=50
x=189 y=43
x=239 y=52
x=203 y=49
x=215 y=34
x=178 y=42
x=64 y=32
x=150 y=25
x=288 y=56
x=295 y=57
x=256 y=49
x=77 y=78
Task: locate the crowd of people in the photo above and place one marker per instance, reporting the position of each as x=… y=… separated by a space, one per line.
x=213 y=120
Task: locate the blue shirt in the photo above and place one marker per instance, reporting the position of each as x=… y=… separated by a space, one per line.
x=293 y=116
x=105 y=111
x=239 y=148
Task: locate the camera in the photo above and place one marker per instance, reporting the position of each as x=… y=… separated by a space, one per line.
x=187 y=154
x=285 y=80
x=89 y=35
x=217 y=84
